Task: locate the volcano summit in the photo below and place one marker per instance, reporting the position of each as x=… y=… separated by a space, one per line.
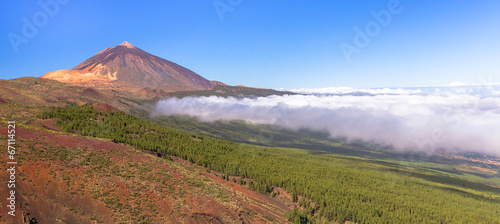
x=128 y=68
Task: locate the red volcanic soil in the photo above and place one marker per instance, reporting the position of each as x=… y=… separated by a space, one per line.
x=4 y=101
x=62 y=178
x=242 y=86
x=217 y=83
x=103 y=107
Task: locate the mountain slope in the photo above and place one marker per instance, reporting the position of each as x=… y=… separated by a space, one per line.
x=326 y=185
x=70 y=179
x=98 y=172
x=128 y=68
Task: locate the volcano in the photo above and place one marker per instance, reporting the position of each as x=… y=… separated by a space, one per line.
x=128 y=68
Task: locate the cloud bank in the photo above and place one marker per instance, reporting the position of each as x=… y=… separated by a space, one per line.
x=486 y=90
x=406 y=120
x=354 y=91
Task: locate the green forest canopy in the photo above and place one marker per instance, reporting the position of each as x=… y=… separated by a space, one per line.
x=339 y=188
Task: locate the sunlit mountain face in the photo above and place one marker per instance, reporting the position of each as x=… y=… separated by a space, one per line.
x=126 y=67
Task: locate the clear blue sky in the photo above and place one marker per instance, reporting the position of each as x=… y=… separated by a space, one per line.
x=272 y=44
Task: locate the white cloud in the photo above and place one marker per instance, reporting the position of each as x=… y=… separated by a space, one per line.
x=454 y=122
x=454 y=88
x=349 y=90
x=457 y=84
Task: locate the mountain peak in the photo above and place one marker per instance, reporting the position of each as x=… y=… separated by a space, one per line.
x=127 y=44
x=128 y=68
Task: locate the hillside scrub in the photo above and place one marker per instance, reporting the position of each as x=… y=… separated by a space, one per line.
x=340 y=188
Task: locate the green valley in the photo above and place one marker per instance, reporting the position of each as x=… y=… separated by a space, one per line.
x=327 y=186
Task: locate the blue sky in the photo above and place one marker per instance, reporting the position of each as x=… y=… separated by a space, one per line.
x=271 y=44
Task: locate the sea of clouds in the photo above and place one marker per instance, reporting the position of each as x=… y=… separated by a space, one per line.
x=455 y=119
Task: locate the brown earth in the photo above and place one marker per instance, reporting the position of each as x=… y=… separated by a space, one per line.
x=103 y=107
x=36 y=92
x=70 y=179
x=64 y=178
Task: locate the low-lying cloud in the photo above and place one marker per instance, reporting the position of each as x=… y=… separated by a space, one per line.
x=407 y=121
